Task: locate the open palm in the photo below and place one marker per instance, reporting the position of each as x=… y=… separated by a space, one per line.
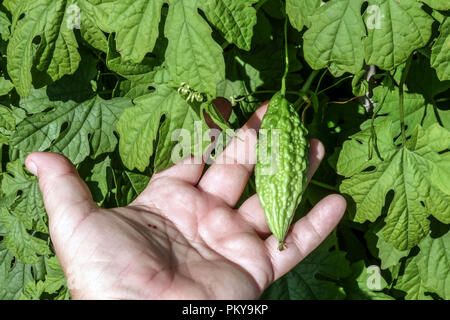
x=182 y=238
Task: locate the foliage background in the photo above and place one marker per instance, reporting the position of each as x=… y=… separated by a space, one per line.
x=377 y=96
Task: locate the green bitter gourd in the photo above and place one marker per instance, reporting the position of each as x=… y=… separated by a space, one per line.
x=280 y=171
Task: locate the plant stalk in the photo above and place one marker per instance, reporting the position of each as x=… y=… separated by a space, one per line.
x=309 y=81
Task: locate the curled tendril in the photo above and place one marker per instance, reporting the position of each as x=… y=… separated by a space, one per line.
x=198 y=96
x=184 y=89
x=234 y=100
x=192 y=95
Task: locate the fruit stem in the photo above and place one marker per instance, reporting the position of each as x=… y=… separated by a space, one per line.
x=286 y=55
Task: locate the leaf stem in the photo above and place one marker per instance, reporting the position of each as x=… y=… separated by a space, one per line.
x=320 y=81
x=334 y=84
x=260 y=4
x=323 y=185
x=401 y=98
x=286 y=56
x=373 y=134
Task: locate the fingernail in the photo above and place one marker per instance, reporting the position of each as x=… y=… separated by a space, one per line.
x=31 y=166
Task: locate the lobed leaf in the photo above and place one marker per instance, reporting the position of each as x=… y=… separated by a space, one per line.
x=58 y=53
x=338 y=39
x=13 y=275
x=23 y=245
x=135 y=23
x=395 y=30
x=417 y=173
x=429 y=271
x=234 y=18
x=300 y=12
x=192 y=56
x=440 y=53
x=139 y=127
x=28 y=204
x=301 y=283
x=90 y=124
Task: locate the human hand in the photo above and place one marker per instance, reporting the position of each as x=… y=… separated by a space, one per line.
x=181 y=238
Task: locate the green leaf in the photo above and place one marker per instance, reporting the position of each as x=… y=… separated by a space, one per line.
x=415 y=109
x=388 y=254
x=33 y=290
x=4 y=26
x=12 y=5
x=440 y=53
x=412 y=283
x=302 y=282
x=300 y=11
x=429 y=271
x=90 y=124
x=337 y=37
x=13 y=275
x=7 y=120
x=139 y=126
x=417 y=173
x=422 y=78
x=192 y=56
x=142 y=84
x=334 y=39
x=55 y=278
x=433 y=261
x=5 y=86
x=135 y=23
x=58 y=53
x=234 y=18
x=58 y=49
x=89 y=29
x=76 y=87
x=116 y=63
x=128 y=185
x=438 y=4
x=365 y=283
x=395 y=29
x=23 y=245
x=98 y=176
x=29 y=205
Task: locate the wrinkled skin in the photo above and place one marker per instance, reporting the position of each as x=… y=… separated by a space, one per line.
x=182 y=238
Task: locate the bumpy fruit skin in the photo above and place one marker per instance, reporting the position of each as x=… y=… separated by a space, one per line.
x=281 y=190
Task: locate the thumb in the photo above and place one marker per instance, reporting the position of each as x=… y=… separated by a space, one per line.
x=67 y=198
